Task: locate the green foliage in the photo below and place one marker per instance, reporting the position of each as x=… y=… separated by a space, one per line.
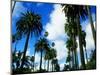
x=46 y=34
x=57 y=67
x=29 y=22
x=66 y=68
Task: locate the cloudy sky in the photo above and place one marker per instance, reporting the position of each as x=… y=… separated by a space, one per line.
x=53 y=20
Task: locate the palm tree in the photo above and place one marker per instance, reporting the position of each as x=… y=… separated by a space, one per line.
x=76 y=12
x=83 y=33
x=41 y=46
x=46 y=34
x=80 y=43
x=68 y=59
x=53 y=54
x=16 y=59
x=92 y=25
x=32 y=61
x=66 y=67
x=69 y=45
x=46 y=58
x=27 y=64
x=71 y=30
x=56 y=65
x=50 y=55
x=53 y=44
x=54 y=62
x=15 y=38
x=28 y=24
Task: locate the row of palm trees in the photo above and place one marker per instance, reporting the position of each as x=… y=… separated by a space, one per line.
x=30 y=24
x=73 y=29
x=42 y=46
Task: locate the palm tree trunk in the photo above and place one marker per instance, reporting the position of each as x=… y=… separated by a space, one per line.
x=52 y=67
x=86 y=55
x=13 y=6
x=48 y=66
x=34 y=60
x=80 y=43
x=25 y=49
x=92 y=25
x=15 y=45
x=72 y=60
x=75 y=56
x=75 y=60
x=41 y=61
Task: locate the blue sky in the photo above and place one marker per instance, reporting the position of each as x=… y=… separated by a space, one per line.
x=53 y=20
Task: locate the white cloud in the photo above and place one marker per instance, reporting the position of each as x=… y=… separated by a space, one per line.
x=61 y=49
x=56 y=32
x=27 y=53
x=89 y=38
x=62 y=66
x=56 y=25
x=37 y=58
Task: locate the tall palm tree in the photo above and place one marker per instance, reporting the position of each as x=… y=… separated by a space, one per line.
x=77 y=12
x=80 y=43
x=68 y=59
x=14 y=41
x=32 y=61
x=83 y=34
x=41 y=47
x=50 y=55
x=28 y=24
x=54 y=55
x=71 y=29
x=54 y=62
x=69 y=45
x=56 y=65
x=15 y=38
x=91 y=23
x=46 y=58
